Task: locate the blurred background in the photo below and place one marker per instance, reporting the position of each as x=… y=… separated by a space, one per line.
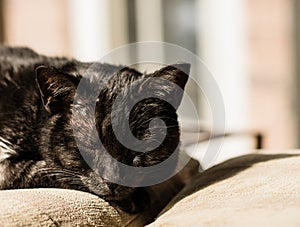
x=250 y=46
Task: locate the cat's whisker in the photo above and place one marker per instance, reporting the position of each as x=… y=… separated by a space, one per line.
x=63 y=176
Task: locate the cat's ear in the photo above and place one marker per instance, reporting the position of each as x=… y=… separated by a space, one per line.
x=56 y=88
x=178 y=74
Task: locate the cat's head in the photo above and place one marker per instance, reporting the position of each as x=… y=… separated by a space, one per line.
x=133 y=113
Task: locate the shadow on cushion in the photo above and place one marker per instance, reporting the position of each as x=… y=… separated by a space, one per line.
x=252 y=190
x=223 y=171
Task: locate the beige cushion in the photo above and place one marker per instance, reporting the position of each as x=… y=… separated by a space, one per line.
x=55 y=207
x=252 y=190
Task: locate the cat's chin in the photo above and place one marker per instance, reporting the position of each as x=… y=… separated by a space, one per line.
x=126 y=199
x=138 y=202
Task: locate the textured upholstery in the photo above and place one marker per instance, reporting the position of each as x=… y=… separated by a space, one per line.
x=55 y=207
x=252 y=190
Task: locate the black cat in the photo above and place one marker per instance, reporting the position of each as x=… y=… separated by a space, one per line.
x=37 y=144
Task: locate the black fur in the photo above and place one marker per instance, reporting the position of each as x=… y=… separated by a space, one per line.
x=37 y=146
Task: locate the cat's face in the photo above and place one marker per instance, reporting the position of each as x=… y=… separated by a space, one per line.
x=122 y=114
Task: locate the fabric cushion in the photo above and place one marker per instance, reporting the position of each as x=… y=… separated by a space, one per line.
x=55 y=207
x=252 y=190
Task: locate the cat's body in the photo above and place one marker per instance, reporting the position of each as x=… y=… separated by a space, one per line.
x=37 y=145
